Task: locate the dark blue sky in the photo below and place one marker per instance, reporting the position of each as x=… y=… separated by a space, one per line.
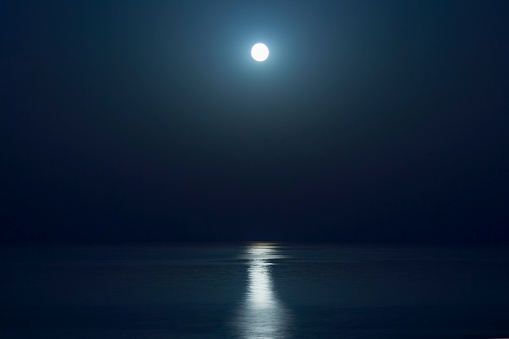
x=371 y=121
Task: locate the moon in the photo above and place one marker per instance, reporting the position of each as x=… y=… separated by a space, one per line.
x=259 y=52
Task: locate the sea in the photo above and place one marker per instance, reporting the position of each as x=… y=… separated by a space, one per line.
x=257 y=290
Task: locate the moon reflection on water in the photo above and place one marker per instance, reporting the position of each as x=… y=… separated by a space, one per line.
x=261 y=315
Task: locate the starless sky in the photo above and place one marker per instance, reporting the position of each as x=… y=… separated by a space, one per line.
x=371 y=121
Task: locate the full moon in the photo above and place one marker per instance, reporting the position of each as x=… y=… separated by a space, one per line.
x=259 y=52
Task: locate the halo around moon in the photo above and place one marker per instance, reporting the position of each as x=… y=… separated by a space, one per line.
x=259 y=52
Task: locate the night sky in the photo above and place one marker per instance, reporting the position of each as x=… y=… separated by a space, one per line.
x=148 y=121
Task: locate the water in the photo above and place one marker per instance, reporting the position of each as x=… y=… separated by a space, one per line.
x=254 y=291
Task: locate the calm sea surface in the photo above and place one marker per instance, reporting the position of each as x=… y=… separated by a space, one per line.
x=254 y=291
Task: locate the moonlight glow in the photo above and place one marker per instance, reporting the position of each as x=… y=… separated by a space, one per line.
x=259 y=52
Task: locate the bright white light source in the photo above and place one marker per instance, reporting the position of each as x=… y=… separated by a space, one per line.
x=259 y=52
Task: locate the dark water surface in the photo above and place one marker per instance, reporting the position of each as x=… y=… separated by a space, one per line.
x=256 y=290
